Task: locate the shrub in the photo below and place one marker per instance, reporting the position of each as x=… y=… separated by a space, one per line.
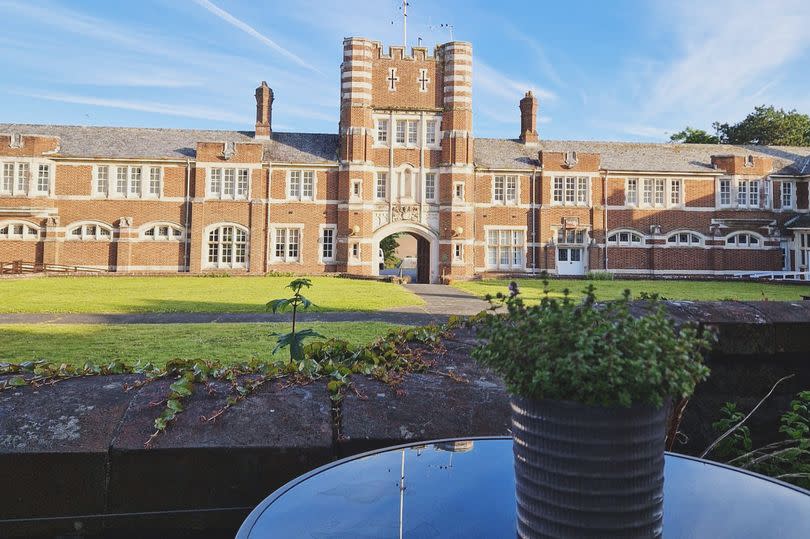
x=596 y=354
x=599 y=276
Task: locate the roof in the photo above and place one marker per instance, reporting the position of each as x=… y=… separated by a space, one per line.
x=635 y=156
x=148 y=143
x=800 y=221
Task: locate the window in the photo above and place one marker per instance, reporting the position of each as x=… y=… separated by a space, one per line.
x=458 y=252
x=684 y=239
x=121 y=174
x=804 y=250
x=505 y=249
x=162 y=232
x=103 y=180
x=135 y=181
x=401 y=126
x=90 y=232
x=787 y=194
x=675 y=193
x=430 y=186
x=17 y=179
x=626 y=238
x=505 y=189
x=381 y=186
x=647 y=193
x=287 y=245
x=154 y=181
x=571 y=236
x=357 y=188
x=458 y=191
x=430 y=131
x=382 y=131
x=227 y=247
x=129 y=181
x=413 y=132
x=228 y=183
x=570 y=191
x=18 y=231
x=356 y=250
x=631 y=192
x=743 y=240
x=725 y=192
x=659 y=192
x=328 y=244
x=748 y=194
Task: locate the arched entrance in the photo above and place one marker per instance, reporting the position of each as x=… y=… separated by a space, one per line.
x=427 y=249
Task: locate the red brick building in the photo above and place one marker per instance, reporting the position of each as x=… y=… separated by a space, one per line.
x=404 y=160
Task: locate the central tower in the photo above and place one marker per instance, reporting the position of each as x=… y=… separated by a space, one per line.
x=406 y=155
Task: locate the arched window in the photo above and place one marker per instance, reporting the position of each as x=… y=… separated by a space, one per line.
x=684 y=238
x=744 y=240
x=89 y=232
x=626 y=238
x=227 y=246
x=18 y=230
x=161 y=232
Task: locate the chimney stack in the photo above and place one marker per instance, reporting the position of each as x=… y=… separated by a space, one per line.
x=528 y=119
x=264 y=111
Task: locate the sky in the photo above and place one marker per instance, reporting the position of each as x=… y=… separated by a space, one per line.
x=636 y=70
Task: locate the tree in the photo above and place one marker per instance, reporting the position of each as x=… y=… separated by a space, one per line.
x=768 y=125
x=694 y=136
x=389 y=246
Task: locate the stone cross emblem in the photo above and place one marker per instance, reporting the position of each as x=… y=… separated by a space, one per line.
x=423 y=80
x=392 y=79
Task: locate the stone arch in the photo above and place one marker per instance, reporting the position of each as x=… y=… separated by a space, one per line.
x=421 y=233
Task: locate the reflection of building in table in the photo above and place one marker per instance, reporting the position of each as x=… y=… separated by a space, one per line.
x=404 y=160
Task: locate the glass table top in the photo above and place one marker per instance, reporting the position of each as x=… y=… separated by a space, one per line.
x=467 y=489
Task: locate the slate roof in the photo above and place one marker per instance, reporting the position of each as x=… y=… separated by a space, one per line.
x=135 y=142
x=800 y=221
x=634 y=156
x=315 y=148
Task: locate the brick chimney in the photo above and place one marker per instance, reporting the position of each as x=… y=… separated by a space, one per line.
x=528 y=119
x=264 y=111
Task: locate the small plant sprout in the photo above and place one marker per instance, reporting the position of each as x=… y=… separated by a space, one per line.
x=294 y=339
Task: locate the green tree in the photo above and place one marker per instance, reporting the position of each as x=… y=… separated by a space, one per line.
x=389 y=246
x=768 y=125
x=694 y=136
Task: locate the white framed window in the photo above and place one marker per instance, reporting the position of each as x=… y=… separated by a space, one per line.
x=102 y=180
x=357 y=189
x=684 y=239
x=647 y=192
x=402 y=126
x=458 y=191
x=155 y=181
x=804 y=250
x=725 y=193
x=26 y=179
x=431 y=131
x=505 y=249
x=228 y=183
x=18 y=231
x=430 y=186
x=571 y=236
x=505 y=190
x=625 y=238
x=121 y=179
x=748 y=194
x=786 y=194
x=458 y=252
x=382 y=131
x=134 y=181
x=381 y=186
x=161 y=232
x=227 y=246
x=89 y=232
x=328 y=241
x=570 y=190
x=675 y=192
x=744 y=240
x=413 y=133
x=287 y=244
x=631 y=192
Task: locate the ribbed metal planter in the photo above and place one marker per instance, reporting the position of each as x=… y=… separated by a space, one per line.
x=588 y=471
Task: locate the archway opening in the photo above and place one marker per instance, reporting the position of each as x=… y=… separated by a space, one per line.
x=405 y=254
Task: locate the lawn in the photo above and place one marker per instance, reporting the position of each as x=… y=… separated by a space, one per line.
x=78 y=344
x=158 y=294
x=532 y=289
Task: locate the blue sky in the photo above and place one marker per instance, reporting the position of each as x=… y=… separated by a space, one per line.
x=619 y=70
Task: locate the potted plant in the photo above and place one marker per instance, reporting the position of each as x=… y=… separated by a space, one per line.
x=590 y=388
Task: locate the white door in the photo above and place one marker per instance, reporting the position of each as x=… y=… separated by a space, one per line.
x=570 y=261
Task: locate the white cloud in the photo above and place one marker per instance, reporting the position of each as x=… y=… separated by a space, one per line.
x=489 y=80
x=245 y=27
x=188 y=111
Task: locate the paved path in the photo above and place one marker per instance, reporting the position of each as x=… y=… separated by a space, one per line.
x=440 y=302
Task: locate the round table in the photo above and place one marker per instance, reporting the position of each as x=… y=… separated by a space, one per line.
x=466 y=488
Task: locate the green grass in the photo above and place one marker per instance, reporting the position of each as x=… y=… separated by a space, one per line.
x=190 y=294
x=77 y=344
x=532 y=289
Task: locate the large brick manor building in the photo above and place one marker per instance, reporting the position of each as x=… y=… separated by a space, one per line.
x=404 y=160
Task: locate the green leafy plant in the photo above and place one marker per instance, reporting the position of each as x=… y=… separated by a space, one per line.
x=787 y=459
x=294 y=340
x=596 y=354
